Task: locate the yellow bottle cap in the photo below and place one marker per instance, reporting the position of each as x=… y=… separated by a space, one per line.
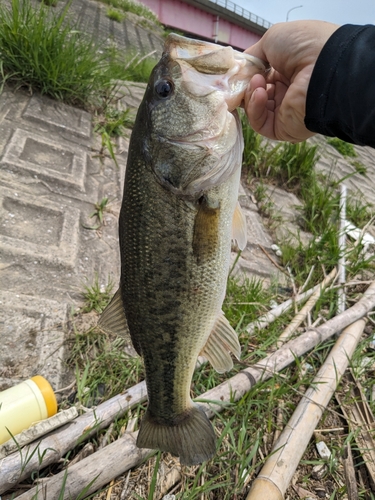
x=47 y=393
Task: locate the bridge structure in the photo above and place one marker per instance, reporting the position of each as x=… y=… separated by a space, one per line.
x=220 y=21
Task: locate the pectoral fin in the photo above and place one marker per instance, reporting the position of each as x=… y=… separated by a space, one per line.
x=239 y=227
x=113 y=319
x=222 y=341
x=205 y=238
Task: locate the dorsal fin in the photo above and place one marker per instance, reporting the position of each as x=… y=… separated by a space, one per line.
x=222 y=341
x=239 y=227
x=113 y=319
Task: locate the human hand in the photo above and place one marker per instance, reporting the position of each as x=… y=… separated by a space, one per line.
x=276 y=106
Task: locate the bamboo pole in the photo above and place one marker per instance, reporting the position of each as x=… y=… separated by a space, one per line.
x=276 y=474
x=301 y=315
x=342 y=247
x=53 y=447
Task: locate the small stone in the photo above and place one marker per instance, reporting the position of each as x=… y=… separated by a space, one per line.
x=320 y=492
x=372 y=343
x=323 y=450
x=306 y=368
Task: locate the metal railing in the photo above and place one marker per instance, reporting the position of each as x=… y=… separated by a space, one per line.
x=227 y=4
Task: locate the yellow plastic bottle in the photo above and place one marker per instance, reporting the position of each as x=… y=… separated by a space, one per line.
x=24 y=405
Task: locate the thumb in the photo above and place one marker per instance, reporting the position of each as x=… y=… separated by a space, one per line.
x=257 y=50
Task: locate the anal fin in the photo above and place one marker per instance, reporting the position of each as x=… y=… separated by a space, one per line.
x=222 y=341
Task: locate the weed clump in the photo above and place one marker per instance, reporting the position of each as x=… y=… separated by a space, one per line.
x=345 y=148
x=46 y=52
x=359 y=167
x=134 y=7
x=115 y=15
x=291 y=166
x=42 y=50
x=97 y=297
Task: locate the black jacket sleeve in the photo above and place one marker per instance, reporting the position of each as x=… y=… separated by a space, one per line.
x=341 y=95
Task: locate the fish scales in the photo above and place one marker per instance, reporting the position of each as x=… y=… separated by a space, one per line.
x=180 y=196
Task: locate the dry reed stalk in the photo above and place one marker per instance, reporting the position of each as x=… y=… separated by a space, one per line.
x=301 y=316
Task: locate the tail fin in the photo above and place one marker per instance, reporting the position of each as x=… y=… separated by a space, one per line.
x=192 y=438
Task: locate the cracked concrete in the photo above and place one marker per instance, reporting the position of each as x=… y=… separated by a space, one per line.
x=51 y=176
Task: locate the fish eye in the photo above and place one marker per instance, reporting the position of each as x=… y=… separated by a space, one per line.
x=163 y=88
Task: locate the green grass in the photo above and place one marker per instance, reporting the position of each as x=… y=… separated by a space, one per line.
x=291 y=166
x=115 y=15
x=135 y=7
x=358 y=210
x=97 y=296
x=102 y=367
x=44 y=51
x=345 y=148
x=138 y=69
x=113 y=122
x=100 y=208
x=359 y=167
x=321 y=203
x=244 y=429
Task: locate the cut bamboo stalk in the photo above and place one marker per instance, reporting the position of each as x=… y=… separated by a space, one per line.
x=54 y=446
x=301 y=316
x=276 y=474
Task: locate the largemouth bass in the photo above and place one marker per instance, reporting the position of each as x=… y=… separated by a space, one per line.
x=177 y=220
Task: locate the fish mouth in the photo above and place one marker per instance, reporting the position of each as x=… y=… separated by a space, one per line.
x=183 y=48
x=207 y=67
